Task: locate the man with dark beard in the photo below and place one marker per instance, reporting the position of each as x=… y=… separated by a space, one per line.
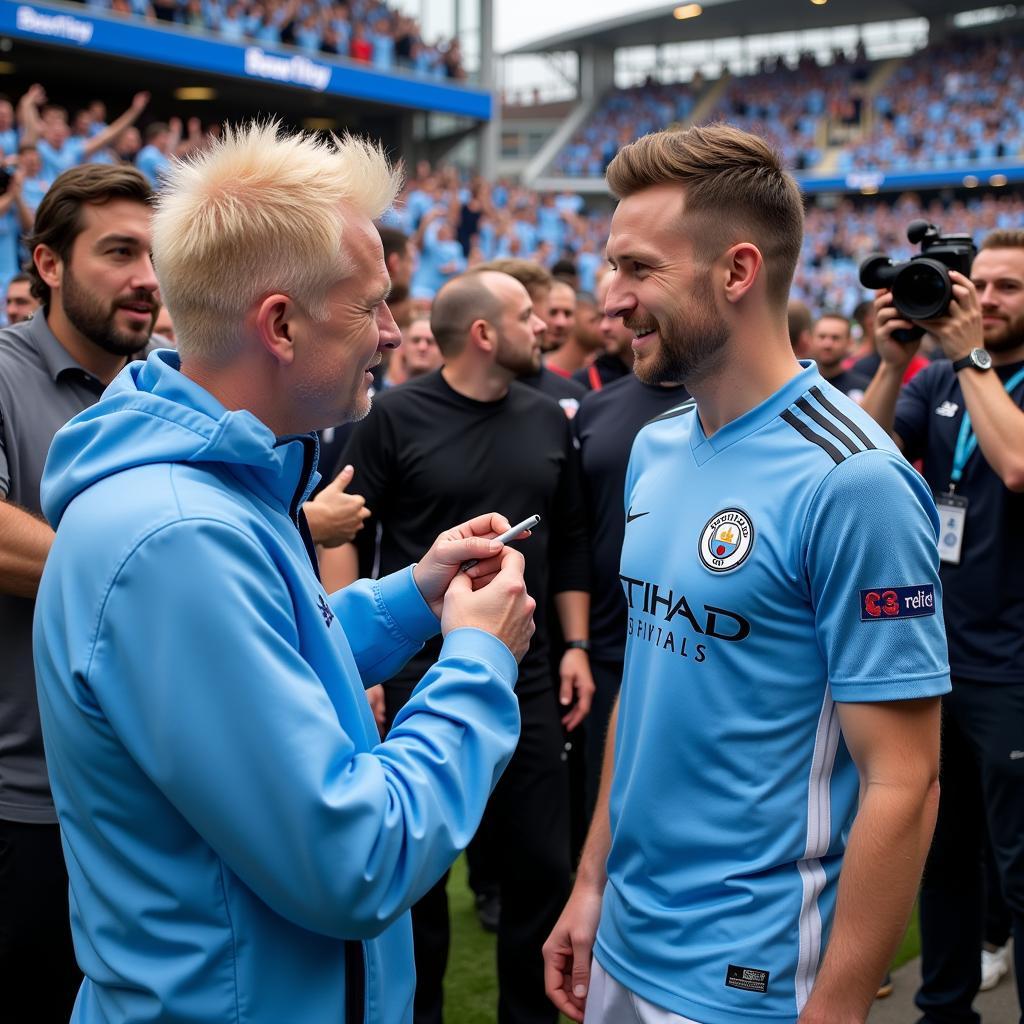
x=964 y=417
x=783 y=652
x=92 y=273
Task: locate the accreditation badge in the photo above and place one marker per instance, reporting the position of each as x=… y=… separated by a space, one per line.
x=952 y=520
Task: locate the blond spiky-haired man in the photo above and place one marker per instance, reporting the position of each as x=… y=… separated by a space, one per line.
x=241 y=845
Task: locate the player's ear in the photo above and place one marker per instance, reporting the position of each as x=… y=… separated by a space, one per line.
x=741 y=264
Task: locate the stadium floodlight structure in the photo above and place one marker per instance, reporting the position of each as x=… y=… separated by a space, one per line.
x=597 y=43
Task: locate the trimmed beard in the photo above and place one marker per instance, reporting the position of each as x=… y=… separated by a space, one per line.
x=94 y=321
x=691 y=340
x=1014 y=337
x=522 y=364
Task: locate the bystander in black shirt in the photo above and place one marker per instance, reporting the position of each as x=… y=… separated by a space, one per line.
x=601 y=372
x=983 y=596
x=851 y=383
x=606 y=425
x=428 y=458
x=567 y=393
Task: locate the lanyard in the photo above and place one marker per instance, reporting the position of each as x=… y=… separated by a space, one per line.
x=966 y=442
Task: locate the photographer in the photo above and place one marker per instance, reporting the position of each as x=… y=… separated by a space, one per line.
x=963 y=417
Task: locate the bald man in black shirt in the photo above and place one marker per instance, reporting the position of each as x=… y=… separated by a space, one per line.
x=465 y=437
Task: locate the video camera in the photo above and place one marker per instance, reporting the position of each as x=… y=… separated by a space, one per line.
x=921 y=287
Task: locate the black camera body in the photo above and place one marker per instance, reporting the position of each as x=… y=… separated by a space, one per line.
x=921 y=287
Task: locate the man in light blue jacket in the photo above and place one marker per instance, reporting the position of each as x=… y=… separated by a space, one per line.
x=241 y=845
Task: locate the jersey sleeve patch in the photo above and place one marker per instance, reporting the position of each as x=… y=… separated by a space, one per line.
x=881 y=604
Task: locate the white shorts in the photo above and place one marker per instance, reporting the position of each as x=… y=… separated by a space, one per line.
x=608 y=1002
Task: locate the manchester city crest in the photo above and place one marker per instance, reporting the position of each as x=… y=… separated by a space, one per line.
x=726 y=540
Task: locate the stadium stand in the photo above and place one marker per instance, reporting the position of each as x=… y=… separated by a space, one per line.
x=363 y=30
x=948 y=105
x=623 y=115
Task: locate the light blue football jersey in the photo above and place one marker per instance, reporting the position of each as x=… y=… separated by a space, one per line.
x=784 y=564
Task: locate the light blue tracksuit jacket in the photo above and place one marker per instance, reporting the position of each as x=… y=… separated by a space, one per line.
x=241 y=845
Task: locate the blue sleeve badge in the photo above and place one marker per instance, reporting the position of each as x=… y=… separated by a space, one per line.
x=883 y=603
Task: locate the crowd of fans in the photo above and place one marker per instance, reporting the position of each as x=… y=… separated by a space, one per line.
x=621 y=117
x=947 y=105
x=791 y=105
x=456 y=222
x=363 y=30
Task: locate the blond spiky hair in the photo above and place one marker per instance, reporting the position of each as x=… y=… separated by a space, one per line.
x=259 y=212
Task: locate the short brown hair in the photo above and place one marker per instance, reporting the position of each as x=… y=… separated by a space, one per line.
x=532 y=276
x=392 y=240
x=834 y=314
x=1007 y=238
x=736 y=189
x=59 y=216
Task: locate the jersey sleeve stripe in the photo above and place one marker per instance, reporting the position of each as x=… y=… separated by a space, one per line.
x=842 y=417
x=801 y=428
x=823 y=421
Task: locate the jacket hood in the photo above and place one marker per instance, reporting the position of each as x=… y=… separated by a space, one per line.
x=152 y=413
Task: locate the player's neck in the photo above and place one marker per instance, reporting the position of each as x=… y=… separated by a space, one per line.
x=744 y=379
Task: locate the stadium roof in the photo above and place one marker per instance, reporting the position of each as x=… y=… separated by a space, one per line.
x=725 y=18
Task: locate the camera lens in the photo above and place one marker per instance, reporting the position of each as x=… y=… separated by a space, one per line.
x=922 y=289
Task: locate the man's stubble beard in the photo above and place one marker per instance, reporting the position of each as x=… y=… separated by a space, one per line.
x=691 y=341
x=1013 y=338
x=94 y=321
x=522 y=364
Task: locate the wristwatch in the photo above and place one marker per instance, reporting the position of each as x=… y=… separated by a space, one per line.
x=577 y=645
x=977 y=359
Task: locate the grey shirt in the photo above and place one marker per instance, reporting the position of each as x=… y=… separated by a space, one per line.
x=41 y=388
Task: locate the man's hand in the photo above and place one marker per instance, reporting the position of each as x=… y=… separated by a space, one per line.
x=139 y=102
x=438 y=567
x=378 y=705
x=569 y=950
x=35 y=94
x=336 y=517
x=575 y=679
x=894 y=354
x=960 y=330
x=502 y=608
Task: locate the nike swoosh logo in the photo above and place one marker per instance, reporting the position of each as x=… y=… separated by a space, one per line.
x=630 y=517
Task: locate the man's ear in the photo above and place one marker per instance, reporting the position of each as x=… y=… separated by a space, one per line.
x=49 y=265
x=742 y=264
x=275 y=325
x=483 y=335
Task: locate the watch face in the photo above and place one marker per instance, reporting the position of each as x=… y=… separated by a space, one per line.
x=981 y=359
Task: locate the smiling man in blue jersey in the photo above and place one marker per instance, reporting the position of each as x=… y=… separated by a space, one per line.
x=785 y=651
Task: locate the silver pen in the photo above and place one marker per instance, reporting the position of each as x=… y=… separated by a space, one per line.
x=508 y=535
